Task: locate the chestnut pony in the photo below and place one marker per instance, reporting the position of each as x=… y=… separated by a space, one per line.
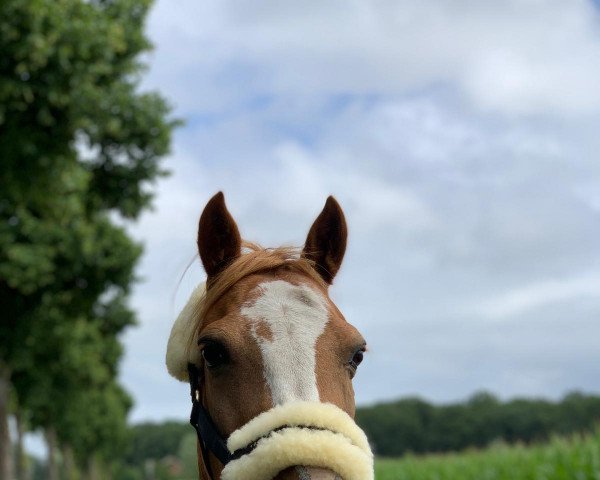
x=266 y=332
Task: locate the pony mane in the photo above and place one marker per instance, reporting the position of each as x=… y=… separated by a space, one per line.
x=254 y=259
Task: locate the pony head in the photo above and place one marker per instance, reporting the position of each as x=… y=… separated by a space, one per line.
x=271 y=355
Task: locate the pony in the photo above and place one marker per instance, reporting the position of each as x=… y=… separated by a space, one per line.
x=269 y=357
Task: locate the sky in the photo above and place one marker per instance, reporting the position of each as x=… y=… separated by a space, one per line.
x=459 y=137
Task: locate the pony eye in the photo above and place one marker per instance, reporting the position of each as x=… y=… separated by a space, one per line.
x=214 y=355
x=357 y=358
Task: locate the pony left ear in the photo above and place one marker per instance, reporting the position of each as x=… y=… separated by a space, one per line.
x=326 y=241
x=219 y=241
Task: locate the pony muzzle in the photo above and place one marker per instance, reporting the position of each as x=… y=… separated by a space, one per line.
x=310 y=434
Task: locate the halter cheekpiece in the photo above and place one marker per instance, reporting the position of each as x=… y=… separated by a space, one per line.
x=209 y=437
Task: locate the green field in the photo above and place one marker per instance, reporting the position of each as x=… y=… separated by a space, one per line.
x=576 y=458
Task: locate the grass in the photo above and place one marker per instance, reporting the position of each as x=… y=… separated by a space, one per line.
x=575 y=458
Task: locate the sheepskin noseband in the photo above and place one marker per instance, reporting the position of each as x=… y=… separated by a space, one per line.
x=299 y=433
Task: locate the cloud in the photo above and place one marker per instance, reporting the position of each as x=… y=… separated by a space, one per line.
x=540 y=294
x=515 y=57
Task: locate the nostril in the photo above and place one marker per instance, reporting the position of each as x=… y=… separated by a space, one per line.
x=307 y=473
x=287 y=474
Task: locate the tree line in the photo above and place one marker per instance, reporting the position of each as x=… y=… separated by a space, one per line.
x=80 y=147
x=417 y=426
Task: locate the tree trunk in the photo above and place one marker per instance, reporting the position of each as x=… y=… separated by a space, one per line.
x=6 y=470
x=70 y=470
x=92 y=469
x=150 y=469
x=19 y=451
x=50 y=435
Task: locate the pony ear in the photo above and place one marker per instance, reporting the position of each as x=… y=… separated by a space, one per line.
x=219 y=241
x=326 y=241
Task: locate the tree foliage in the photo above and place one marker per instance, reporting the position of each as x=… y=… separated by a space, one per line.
x=414 y=425
x=69 y=77
x=155 y=441
x=80 y=144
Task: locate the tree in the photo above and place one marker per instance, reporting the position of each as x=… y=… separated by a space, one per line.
x=76 y=323
x=79 y=142
x=413 y=425
x=151 y=441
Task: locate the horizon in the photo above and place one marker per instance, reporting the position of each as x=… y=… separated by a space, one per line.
x=377 y=403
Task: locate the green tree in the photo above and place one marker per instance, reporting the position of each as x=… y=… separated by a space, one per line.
x=151 y=441
x=79 y=142
x=413 y=425
x=397 y=427
x=74 y=344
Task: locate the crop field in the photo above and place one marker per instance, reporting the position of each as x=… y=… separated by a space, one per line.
x=575 y=458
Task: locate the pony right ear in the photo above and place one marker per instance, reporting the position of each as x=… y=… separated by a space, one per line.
x=219 y=241
x=326 y=241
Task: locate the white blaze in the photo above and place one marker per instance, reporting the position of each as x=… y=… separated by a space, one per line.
x=296 y=316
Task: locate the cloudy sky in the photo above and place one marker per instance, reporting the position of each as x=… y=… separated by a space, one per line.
x=461 y=138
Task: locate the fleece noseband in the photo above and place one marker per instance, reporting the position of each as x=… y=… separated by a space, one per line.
x=298 y=433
